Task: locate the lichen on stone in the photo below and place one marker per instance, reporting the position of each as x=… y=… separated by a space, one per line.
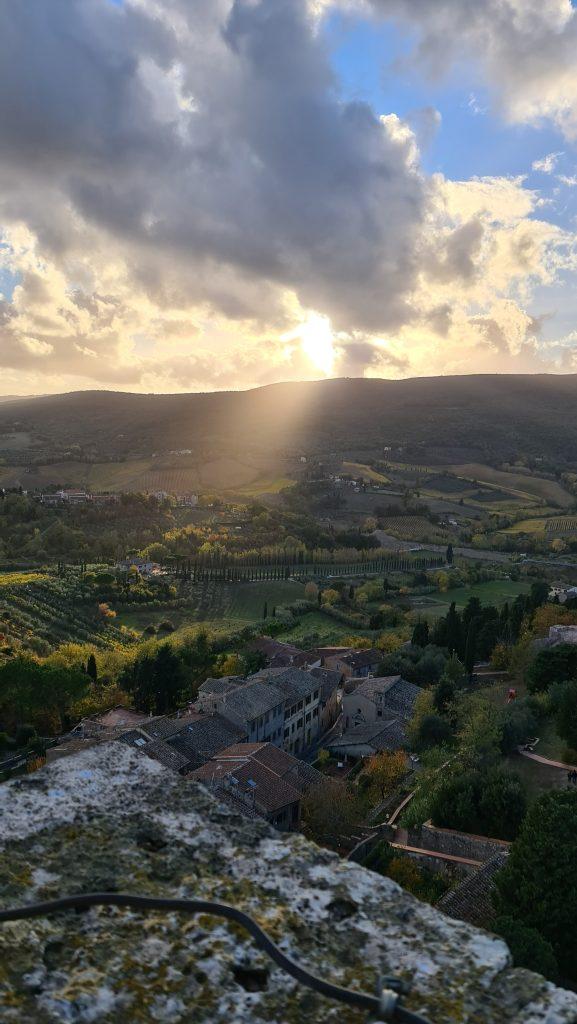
x=109 y=819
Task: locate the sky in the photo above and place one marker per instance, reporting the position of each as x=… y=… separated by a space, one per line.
x=228 y=193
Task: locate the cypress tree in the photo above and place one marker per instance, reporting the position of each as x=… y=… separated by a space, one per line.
x=471 y=646
x=92 y=668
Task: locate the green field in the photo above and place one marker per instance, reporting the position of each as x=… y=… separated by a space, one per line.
x=527 y=526
x=358 y=469
x=496 y=592
x=264 y=485
x=175 y=474
x=532 y=488
x=214 y=604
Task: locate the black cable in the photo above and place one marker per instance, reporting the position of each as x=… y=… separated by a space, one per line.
x=82 y=901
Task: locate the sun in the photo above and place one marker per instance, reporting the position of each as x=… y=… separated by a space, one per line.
x=316 y=339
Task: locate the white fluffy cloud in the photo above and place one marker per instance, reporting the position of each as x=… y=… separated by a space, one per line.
x=188 y=200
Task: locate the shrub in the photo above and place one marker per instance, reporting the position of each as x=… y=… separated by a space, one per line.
x=528 y=947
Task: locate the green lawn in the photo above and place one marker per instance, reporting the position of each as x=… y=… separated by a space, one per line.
x=496 y=592
x=218 y=604
x=329 y=630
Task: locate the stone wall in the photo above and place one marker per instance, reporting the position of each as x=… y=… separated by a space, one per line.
x=110 y=818
x=457 y=844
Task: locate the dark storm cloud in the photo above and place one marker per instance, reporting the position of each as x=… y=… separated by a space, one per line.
x=261 y=172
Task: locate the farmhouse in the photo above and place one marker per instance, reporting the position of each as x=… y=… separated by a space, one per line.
x=144 y=567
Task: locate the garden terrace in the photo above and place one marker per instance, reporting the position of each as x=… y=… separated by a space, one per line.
x=108 y=819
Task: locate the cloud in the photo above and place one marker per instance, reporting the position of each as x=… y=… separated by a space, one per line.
x=546 y=164
x=525 y=50
x=183 y=186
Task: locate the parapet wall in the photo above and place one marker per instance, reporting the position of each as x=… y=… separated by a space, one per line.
x=458 y=844
x=110 y=819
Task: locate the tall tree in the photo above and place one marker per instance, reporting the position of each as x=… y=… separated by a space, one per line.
x=536 y=886
x=454 y=640
x=420 y=637
x=450 y=554
x=92 y=668
x=471 y=646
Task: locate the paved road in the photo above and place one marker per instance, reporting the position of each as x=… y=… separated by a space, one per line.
x=546 y=760
x=481 y=555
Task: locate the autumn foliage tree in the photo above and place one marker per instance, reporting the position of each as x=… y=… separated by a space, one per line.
x=385 y=771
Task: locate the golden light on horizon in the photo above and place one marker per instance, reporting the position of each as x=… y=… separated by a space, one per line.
x=316 y=338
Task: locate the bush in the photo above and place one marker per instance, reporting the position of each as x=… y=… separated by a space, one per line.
x=519 y=724
x=491 y=803
x=536 y=886
x=166 y=626
x=552 y=666
x=434 y=731
x=528 y=947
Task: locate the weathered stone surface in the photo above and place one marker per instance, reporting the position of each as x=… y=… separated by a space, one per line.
x=111 y=819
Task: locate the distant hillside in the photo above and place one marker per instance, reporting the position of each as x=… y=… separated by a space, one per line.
x=449 y=419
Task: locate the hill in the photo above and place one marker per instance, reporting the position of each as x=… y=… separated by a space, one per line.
x=440 y=419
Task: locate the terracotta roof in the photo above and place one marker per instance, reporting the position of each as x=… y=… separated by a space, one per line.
x=242 y=758
x=118 y=718
x=269 y=791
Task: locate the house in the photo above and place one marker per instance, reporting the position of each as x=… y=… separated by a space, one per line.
x=355 y=664
x=378 y=697
x=251 y=704
x=143 y=565
x=193 y=737
x=262 y=778
x=329 y=703
x=561 y=635
x=105 y=498
x=110 y=723
x=275 y=705
x=276 y=652
x=301 y=693
x=366 y=740
x=73 y=497
x=212 y=690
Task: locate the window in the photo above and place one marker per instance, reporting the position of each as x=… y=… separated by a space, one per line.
x=308 y=717
x=286 y=733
